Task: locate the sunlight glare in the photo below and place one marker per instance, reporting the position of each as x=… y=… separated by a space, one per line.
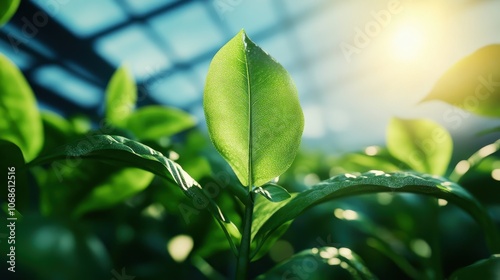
x=408 y=42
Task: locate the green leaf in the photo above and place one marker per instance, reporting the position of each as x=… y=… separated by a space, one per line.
x=371 y=182
x=473 y=83
x=20 y=120
x=44 y=244
x=465 y=165
x=123 y=151
x=121 y=96
x=483 y=269
x=423 y=145
x=12 y=166
x=362 y=162
x=116 y=188
x=7 y=9
x=154 y=122
x=57 y=131
x=489 y=131
x=340 y=258
x=273 y=192
x=252 y=110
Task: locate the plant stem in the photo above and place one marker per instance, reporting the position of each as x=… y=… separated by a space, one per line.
x=244 y=252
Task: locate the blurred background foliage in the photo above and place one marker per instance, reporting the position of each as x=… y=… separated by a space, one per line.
x=94 y=220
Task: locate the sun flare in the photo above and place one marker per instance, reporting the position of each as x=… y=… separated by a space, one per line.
x=408 y=42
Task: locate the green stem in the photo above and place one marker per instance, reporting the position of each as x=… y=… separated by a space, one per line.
x=244 y=252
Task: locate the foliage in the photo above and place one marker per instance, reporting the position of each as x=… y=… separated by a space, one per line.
x=146 y=179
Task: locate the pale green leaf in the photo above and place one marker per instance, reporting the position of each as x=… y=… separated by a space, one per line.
x=121 y=96
x=252 y=110
x=20 y=120
x=422 y=144
x=472 y=84
x=154 y=122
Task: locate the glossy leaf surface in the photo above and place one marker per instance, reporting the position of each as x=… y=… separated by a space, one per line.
x=126 y=152
x=266 y=222
x=253 y=113
x=20 y=120
x=423 y=145
x=473 y=83
x=273 y=192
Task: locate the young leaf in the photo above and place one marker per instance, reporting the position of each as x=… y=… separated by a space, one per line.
x=20 y=120
x=121 y=96
x=483 y=269
x=372 y=182
x=342 y=258
x=473 y=83
x=7 y=9
x=422 y=144
x=153 y=122
x=126 y=152
x=252 y=110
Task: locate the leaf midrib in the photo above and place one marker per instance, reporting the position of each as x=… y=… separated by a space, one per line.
x=249 y=114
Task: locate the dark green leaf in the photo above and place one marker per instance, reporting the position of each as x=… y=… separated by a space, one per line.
x=154 y=122
x=57 y=131
x=472 y=83
x=12 y=166
x=121 y=96
x=489 y=131
x=123 y=151
x=488 y=269
x=313 y=259
x=273 y=192
x=43 y=244
x=20 y=120
x=7 y=9
x=423 y=145
x=372 y=182
x=252 y=110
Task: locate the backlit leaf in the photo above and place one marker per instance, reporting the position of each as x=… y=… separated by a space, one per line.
x=20 y=120
x=473 y=83
x=423 y=145
x=121 y=96
x=153 y=122
x=252 y=110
